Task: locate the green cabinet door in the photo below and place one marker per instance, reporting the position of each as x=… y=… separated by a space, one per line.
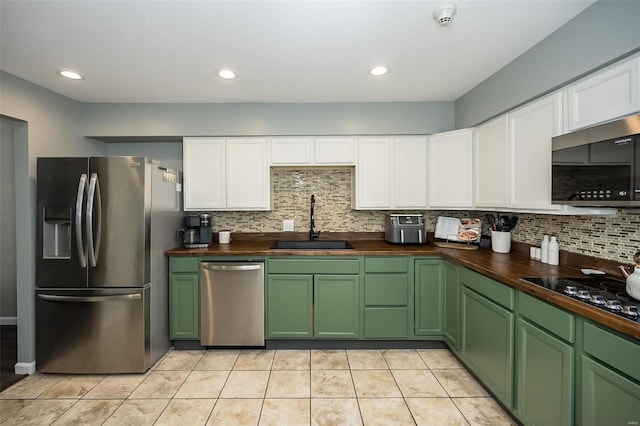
x=608 y=398
x=545 y=377
x=336 y=306
x=428 y=297
x=452 y=305
x=185 y=306
x=289 y=306
x=487 y=343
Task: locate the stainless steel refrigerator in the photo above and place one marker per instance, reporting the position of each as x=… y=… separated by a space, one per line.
x=101 y=273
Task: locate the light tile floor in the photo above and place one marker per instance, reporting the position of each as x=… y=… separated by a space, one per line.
x=263 y=387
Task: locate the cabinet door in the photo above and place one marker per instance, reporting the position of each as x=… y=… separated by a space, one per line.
x=204 y=173
x=334 y=150
x=613 y=92
x=487 y=343
x=336 y=306
x=545 y=377
x=450 y=166
x=530 y=131
x=289 y=306
x=608 y=398
x=451 y=305
x=491 y=164
x=247 y=174
x=428 y=297
x=287 y=151
x=373 y=184
x=185 y=306
x=410 y=173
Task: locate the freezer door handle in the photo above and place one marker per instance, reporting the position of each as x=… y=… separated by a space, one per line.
x=82 y=252
x=93 y=244
x=214 y=267
x=84 y=299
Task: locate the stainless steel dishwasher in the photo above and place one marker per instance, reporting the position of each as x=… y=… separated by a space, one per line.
x=232 y=303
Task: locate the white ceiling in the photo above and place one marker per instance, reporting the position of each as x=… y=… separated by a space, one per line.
x=283 y=51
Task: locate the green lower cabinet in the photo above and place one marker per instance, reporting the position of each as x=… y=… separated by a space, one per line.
x=488 y=343
x=336 y=302
x=608 y=398
x=185 y=306
x=451 y=305
x=428 y=297
x=545 y=377
x=290 y=306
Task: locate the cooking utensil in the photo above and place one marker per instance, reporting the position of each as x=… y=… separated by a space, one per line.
x=491 y=220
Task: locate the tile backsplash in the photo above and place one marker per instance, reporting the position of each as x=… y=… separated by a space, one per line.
x=615 y=238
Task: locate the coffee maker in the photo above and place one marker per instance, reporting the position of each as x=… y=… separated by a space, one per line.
x=196 y=232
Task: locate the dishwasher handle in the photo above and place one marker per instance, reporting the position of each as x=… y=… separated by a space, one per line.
x=231 y=268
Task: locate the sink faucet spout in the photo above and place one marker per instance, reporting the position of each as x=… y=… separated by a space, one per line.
x=312 y=234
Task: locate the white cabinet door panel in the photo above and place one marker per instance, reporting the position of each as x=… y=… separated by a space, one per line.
x=450 y=165
x=334 y=150
x=291 y=151
x=491 y=164
x=373 y=184
x=410 y=172
x=204 y=173
x=611 y=93
x=530 y=131
x=247 y=174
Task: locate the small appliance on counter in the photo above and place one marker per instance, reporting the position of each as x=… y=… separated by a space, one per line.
x=196 y=232
x=405 y=229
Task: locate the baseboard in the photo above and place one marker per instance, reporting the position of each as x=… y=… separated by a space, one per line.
x=8 y=320
x=25 y=367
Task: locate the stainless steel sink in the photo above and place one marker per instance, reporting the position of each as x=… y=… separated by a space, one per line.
x=311 y=245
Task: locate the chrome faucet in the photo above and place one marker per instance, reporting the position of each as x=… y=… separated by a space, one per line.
x=312 y=234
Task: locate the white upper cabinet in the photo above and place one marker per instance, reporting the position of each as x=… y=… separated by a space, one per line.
x=226 y=174
x=450 y=169
x=309 y=151
x=530 y=131
x=291 y=151
x=204 y=173
x=611 y=93
x=410 y=172
x=247 y=174
x=373 y=172
x=335 y=150
x=491 y=164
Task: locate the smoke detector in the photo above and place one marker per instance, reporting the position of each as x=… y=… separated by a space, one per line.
x=444 y=14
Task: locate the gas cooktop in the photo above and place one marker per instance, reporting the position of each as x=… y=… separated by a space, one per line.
x=603 y=293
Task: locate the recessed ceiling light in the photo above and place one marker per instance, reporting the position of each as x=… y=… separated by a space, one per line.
x=70 y=74
x=378 y=71
x=226 y=73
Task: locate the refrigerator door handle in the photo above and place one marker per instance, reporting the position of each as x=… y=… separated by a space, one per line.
x=82 y=252
x=84 y=299
x=93 y=244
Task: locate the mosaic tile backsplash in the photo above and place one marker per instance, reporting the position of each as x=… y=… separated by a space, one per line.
x=615 y=238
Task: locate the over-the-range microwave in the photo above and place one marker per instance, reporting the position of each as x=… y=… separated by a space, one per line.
x=598 y=166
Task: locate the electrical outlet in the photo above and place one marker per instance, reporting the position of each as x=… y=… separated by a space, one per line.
x=287 y=225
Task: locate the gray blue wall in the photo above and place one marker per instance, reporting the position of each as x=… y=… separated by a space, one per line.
x=602 y=34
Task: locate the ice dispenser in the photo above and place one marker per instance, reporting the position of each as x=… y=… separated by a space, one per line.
x=56 y=233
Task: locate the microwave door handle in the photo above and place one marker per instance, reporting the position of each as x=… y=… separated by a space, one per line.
x=93 y=241
x=82 y=252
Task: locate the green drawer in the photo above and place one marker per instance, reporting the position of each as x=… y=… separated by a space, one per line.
x=616 y=351
x=386 y=323
x=386 y=290
x=314 y=265
x=184 y=264
x=489 y=288
x=553 y=319
x=386 y=264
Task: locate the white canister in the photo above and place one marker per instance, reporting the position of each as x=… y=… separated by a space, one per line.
x=224 y=237
x=501 y=241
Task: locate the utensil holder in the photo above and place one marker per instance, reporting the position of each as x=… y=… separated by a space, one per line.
x=501 y=241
